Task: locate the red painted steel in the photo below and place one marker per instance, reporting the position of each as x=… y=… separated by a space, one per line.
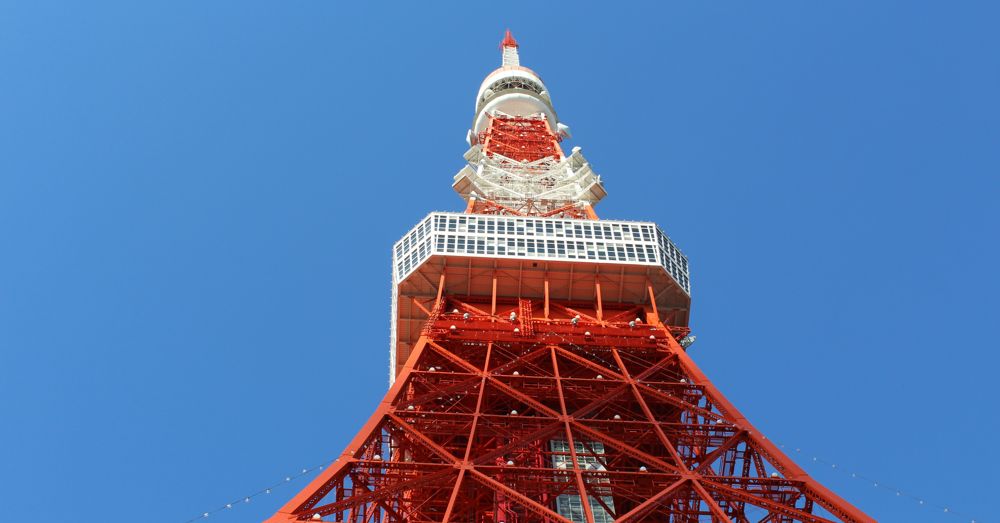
x=516 y=141
x=508 y=40
x=514 y=410
x=523 y=139
x=465 y=432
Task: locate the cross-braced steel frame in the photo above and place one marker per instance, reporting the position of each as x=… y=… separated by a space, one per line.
x=519 y=410
x=520 y=139
x=466 y=432
x=522 y=173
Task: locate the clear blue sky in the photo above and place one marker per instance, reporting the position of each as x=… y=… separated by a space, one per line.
x=198 y=199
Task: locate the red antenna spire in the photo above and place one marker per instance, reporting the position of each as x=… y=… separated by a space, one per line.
x=508 y=40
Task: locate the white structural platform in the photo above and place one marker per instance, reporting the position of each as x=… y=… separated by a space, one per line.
x=535 y=238
x=633 y=261
x=569 y=179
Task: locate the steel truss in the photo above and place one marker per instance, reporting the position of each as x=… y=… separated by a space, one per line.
x=465 y=434
x=520 y=139
x=518 y=168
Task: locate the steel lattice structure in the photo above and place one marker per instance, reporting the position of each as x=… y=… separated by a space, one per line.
x=539 y=362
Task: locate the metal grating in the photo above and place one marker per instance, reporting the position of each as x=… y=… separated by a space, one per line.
x=458 y=234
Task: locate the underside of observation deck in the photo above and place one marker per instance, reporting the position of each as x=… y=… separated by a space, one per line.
x=520 y=411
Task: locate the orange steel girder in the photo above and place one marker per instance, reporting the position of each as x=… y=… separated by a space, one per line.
x=518 y=141
x=520 y=138
x=465 y=432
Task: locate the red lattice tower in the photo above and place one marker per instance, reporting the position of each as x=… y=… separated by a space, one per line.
x=520 y=138
x=540 y=372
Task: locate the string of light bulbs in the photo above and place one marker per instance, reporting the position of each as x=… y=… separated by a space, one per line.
x=886 y=487
x=262 y=492
x=919 y=500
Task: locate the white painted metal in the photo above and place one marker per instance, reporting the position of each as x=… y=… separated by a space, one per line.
x=513 y=91
x=629 y=255
x=634 y=260
x=547 y=183
x=510 y=56
x=540 y=239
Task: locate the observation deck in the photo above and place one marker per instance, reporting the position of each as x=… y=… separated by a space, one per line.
x=525 y=257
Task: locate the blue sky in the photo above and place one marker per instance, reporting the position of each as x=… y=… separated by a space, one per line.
x=197 y=202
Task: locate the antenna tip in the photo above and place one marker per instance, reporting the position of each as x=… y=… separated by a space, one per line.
x=508 y=40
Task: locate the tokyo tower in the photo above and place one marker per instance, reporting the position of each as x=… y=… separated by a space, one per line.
x=538 y=362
